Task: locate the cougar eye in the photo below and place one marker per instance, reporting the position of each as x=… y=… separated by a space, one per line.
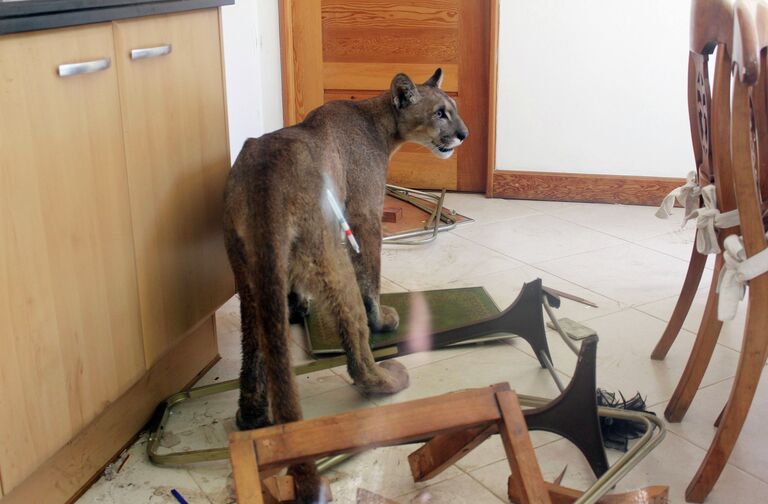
x=440 y=114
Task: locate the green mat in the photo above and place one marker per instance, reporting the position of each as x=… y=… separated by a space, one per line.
x=448 y=308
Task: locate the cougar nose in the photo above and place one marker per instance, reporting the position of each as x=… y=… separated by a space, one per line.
x=462 y=134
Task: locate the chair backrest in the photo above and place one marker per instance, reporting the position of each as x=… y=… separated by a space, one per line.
x=750 y=118
x=750 y=59
x=709 y=105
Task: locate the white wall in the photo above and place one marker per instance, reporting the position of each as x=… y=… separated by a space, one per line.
x=251 y=33
x=594 y=86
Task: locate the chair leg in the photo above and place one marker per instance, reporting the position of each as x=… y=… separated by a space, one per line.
x=701 y=354
x=683 y=306
x=754 y=350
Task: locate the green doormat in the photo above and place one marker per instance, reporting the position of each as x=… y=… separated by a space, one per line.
x=448 y=308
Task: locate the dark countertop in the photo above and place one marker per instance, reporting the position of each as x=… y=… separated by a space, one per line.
x=28 y=15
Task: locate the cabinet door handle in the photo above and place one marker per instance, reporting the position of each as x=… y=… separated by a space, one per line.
x=85 y=67
x=151 y=52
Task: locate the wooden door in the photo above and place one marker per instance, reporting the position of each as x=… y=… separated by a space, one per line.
x=178 y=157
x=351 y=49
x=70 y=335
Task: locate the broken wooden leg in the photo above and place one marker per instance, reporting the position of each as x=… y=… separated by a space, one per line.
x=523 y=318
x=526 y=475
x=572 y=415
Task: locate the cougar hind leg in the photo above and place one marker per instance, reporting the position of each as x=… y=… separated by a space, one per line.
x=332 y=279
x=253 y=411
x=268 y=290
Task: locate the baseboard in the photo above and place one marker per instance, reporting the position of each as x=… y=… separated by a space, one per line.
x=582 y=187
x=67 y=473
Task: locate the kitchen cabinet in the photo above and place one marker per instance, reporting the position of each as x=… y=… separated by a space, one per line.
x=112 y=261
x=177 y=154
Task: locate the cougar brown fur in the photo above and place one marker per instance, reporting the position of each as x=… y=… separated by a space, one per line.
x=282 y=241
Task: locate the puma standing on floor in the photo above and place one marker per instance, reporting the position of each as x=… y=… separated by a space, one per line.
x=282 y=241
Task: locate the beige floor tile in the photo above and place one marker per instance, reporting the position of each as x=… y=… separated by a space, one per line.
x=493 y=363
x=697 y=427
x=484 y=210
x=537 y=238
x=224 y=370
x=384 y=471
x=460 y=490
x=732 y=332
x=629 y=273
x=505 y=286
x=492 y=450
x=671 y=463
x=623 y=357
x=678 y=243
x=448 y=258
x=336 y=401
x=628 y=222
x=674 y=463
x=215 y=480
x=140 y=481
x=549 y=207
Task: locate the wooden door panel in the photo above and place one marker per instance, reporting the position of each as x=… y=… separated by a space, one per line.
x=336 y=49
x=390 y=32
x=70 y=334
x=178 y=159
x=419 y=170
x=378 y=76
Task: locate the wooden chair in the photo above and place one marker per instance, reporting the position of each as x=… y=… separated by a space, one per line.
x=279 y=446
x=747 y=256
x=709 y=113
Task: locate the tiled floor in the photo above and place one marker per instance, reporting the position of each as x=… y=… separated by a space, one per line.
x=620 y=257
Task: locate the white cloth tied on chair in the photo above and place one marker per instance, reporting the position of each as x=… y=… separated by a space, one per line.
x=737 y=271
x=687 y=195
x=708 y=220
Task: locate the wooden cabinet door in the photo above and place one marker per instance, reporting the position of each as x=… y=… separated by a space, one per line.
x=351 y=49
x=70 y=334
x=178 y=157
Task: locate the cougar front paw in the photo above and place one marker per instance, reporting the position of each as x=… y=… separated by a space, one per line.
x=389 y=377
x=385 y=320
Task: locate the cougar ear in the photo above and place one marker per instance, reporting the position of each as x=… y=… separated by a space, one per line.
x=436 y=79
x=404 y=92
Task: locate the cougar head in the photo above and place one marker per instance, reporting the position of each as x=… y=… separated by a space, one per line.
x=426 y=115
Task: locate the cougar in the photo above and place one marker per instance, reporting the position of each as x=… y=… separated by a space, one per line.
x=283 y=243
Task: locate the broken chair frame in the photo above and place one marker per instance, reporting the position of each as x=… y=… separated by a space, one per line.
x=433 y=225
x=450 y=425
x=556 y=416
